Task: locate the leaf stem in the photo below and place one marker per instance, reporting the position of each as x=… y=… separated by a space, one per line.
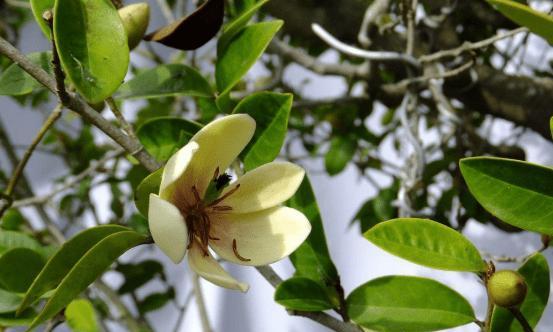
x=521 y=319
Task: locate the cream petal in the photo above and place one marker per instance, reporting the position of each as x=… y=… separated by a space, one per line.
x=264 y=187
x=209 y=269
x=175 y=167
x=262 y=237
x=168 y=228
x=221 y=141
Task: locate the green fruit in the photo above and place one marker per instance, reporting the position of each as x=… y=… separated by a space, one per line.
x=135 y=19
x=507 y=288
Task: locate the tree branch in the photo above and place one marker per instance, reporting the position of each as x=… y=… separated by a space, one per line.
x=79 y=106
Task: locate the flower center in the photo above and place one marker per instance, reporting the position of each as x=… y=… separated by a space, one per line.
x=197 y=214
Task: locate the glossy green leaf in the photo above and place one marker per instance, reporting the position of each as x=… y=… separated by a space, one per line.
x=8 y=301
x=536 y=273
x=166 y=80
x=270 y=111
x=242 y=52
x=91 y=266
x=340 y=153
x=408 y=304
x=164 y=136
x=14 y=81
x=312 y=259
x=302 y=294
x=18 y=269
x=81 y=317
x=94 y=51
x=233 y=27
x=517 y=192
x=63 y=260
x=427 y=243
x=538 y=22
x=39 y=7
x=149 y=185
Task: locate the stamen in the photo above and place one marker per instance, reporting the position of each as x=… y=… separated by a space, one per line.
x=221 y=208
x=216 y=173
x=196 y=193
x=220 y=199
x=235 y=250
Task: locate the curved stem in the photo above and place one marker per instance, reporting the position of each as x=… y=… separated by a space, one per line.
x=521 y=319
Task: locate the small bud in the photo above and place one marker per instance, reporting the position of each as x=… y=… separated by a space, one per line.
x=507 y=288
x=135 y=19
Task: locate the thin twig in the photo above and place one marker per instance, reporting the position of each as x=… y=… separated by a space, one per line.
x=125 y=314
x=18 y=171
x=357 y=52
x=320 y=317
x=76 y=104
x=165 y=10
x=470 y=46
x=127 y=127
x=375 y=9
x=69 y=182
x=302 y=58
x=204 y=319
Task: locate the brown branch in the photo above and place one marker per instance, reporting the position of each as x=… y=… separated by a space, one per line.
x=79 y=106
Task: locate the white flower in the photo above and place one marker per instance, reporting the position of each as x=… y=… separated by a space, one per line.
x=243 y=223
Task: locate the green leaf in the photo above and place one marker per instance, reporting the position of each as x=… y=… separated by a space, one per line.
x=12 y=220
x=377 y=209
x=302 y=294
x=18 y=269
x=339 y=155
x=63 y=260
x=233 y=27
x=312 y=258
x=242 y=52
x=156 y=301
x=11 y=319
x=39 y=7
x=408 y=304
x=91 y=266
x=94 y=51
x=13 y=239
x=164 y=136
x=14 y=81
x=537 y=22
x=136 y=275
x=517 y=192
x=149 y=185
x=81 y=316
x=270 y=111
x=166 y=80
x=427 y=243
x=8 y=301
x=536 y=273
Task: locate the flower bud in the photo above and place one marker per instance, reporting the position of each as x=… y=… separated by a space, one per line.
x=507 y=288
x=135 y=19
